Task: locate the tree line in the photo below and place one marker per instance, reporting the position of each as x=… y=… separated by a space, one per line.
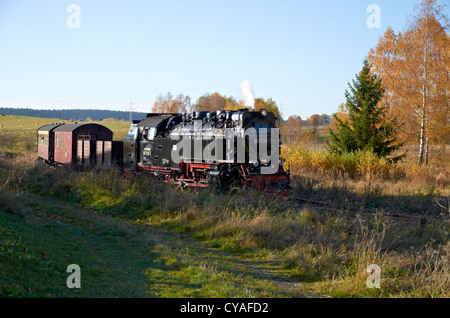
x=72 y=114
x=169 y=103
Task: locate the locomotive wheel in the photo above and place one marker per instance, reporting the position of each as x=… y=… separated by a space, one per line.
x=234 y=190
x=234 y=185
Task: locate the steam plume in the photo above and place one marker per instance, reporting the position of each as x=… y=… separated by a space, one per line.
x=247 y=92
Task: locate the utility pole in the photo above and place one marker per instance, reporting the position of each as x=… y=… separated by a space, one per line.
x=281 y=120
x=281 y=109
x=131 y=111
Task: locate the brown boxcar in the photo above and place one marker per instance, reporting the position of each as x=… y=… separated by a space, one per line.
x=46 y=142
x=76 y=143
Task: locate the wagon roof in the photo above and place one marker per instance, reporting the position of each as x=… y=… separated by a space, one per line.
x=48 y=127
x=72 y=127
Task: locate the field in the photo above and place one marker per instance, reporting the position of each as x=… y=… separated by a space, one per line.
x=140 y=238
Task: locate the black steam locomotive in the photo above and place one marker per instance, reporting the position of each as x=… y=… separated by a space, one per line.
x=219 y=149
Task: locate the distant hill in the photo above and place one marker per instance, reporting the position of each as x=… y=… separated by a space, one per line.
x=74 y=114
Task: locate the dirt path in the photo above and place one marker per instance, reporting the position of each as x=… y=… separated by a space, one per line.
x=125 y=253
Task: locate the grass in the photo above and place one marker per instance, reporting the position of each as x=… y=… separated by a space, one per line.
x=187 y=244
x=36 y=250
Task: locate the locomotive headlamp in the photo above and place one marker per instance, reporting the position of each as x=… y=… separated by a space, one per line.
x=255 y=164
x=263 y=112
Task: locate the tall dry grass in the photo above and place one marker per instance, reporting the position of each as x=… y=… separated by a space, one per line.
x=365 y=166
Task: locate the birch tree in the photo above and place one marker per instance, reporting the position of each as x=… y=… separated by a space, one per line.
x=169 y=104
x=414 y=66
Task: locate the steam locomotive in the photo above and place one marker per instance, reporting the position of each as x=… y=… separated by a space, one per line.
x=220 y=149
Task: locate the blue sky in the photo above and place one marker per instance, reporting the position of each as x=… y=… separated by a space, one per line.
x=302 y=54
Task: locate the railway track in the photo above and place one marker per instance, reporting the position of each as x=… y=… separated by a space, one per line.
x=422 y=220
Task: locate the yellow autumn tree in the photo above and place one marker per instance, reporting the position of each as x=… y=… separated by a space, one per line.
x=293 y=129
x=170 y=104
x=215 y=101
x=269 y=105
x=341 y=114
x=414 y=66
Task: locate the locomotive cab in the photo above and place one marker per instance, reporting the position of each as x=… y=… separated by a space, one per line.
x=146 y=144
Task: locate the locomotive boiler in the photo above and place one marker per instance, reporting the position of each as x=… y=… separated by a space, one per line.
x=219 y=149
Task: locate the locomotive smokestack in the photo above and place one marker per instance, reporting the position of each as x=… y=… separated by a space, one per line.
x=247 y=92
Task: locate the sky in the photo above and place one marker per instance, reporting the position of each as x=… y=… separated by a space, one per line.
x=57 y=54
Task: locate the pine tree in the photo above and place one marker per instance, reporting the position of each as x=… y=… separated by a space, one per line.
x=366 y=128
